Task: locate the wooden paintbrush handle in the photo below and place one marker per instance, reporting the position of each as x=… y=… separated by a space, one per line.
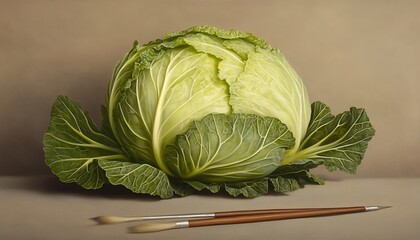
x=273 y=216
x=262 y=211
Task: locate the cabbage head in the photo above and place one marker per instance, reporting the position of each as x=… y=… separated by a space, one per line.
x=204 y=108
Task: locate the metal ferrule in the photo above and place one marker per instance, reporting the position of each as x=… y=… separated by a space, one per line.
x=183 y=224
x=182 y=216
x=373 y=208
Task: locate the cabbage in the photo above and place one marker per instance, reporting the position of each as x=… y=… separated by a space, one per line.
x=204 y=108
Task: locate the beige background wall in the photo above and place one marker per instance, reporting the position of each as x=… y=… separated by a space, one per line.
x=349 y=53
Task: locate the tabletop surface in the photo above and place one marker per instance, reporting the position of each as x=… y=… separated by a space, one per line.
x=44 y=208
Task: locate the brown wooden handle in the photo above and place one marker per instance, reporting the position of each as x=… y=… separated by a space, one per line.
x=263 y=211
x=273 y=216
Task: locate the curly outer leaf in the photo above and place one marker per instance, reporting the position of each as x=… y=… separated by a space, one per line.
x=282 y=184
x=73 y=145
x=139 y=178
x=214 y=188
x=181 y=188
x=248 y=189
x=229 y=148
x=339 y=142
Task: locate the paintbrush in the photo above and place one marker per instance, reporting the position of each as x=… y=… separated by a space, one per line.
x=119 y=219
x=161 y=226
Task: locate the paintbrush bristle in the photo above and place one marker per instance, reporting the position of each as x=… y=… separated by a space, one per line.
x=109 y=219
x=152 y=227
